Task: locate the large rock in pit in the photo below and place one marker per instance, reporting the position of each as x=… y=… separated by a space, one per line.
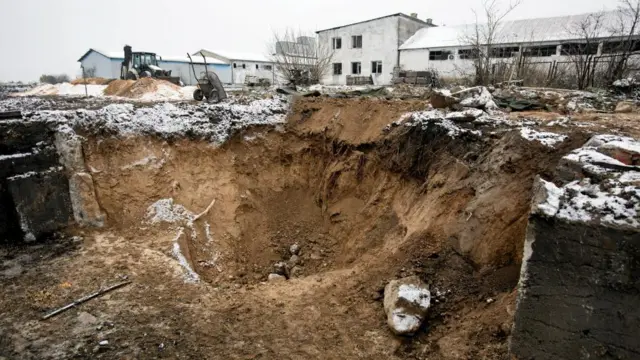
x=442 y=99
x=475 y=97
x=406 y=302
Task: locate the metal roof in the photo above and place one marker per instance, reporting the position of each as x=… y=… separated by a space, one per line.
x=379 y=18
x=553 y=29
x=238 y=55
x=119 y=55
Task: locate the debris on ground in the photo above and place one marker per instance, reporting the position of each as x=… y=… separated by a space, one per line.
x=406 y=303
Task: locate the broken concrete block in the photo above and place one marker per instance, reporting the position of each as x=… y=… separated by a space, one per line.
x=442 y=99
x=41 y=201
x=86 y=210
x=465 y=115
x=475 y=97
x=406 y=302
x=276 y=277
x=69 y=149
x=578 y=292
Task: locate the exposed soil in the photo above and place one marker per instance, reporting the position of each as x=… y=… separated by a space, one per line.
x=92 y=81
x=136 y=88
x=365 y=207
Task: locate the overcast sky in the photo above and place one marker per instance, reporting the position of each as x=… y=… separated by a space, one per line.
x=49 y=36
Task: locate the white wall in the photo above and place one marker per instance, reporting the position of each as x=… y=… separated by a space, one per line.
x=102 y=64
x=184 y=71
x=239 y=74
x=379 y=43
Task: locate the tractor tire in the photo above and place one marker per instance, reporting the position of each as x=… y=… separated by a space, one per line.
x=132 y=76
x=145 y=74
x=197 y=95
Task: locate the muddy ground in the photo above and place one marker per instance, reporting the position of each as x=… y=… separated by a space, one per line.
x=365 y=206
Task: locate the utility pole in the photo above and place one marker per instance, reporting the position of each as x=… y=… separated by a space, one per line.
x=86 y=92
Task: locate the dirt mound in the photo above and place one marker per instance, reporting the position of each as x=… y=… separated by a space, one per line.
x=91 y=81
x=141 y=88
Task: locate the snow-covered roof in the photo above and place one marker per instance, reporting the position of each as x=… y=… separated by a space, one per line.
x=539 y=30
x=232 y=55
x=109 y=54
x=197 y=59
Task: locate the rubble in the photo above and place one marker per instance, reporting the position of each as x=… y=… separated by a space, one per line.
x=406 y=302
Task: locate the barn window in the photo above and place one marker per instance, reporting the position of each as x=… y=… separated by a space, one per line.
x=356 y=68
x=356 y=42
x=376 y=67
x=235 y=65
x=244 y=66
x=610 y=47
x=336 y=43
x=540 y=51
x=257 y=67
x=504 y=52
x=267 y=67
x=337 y=69
x=580 y=49
x=439 y=55
x=468 y=54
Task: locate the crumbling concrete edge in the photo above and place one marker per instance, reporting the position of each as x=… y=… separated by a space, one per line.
x=84 y=201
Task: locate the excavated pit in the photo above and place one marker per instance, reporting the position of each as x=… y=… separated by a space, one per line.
x=364 y=205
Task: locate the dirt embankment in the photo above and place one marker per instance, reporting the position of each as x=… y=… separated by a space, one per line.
x=364 y=206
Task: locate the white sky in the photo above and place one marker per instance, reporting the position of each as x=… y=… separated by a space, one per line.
x=49 y=36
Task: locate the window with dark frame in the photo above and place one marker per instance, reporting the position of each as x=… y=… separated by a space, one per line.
x=504 y=52
x=267 y=67
x=540 y=51
x=579 y=49
x=244 y=66
x=356 y=68
x=466 y=54
x=235 y=65
x=376 y=67
x=336 y=43
x=439 y=55
x=337 y=69
x=356 y=42
x=257 y=67
x=612 y=47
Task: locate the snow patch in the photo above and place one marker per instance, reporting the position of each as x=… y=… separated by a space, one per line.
x=190 y=275
x=164 y=210
x=545 y=138
x=416 y=295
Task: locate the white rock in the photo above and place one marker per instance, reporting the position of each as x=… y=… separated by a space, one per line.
x=294 y=249
x=276 y=278
x=104 y=343
x=406 y=302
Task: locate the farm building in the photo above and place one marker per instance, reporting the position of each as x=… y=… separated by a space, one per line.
x=367 y=51
x=544 y=41
x=107 y=65
x=243 y=65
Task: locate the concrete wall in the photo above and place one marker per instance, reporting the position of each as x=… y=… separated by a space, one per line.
x=379 y=43
x=579 y=293
x=258 y=69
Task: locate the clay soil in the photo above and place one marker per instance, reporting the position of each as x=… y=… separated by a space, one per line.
x=136 y=88
x=365 y=207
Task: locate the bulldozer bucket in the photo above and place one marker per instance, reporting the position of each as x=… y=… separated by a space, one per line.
x=171 y=79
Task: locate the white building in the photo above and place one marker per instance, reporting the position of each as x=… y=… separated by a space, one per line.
x=447 y=49
x=368 y=49
x=107 y=65
x=243 y=65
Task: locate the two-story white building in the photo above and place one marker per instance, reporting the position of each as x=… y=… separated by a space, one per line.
x=368 y=49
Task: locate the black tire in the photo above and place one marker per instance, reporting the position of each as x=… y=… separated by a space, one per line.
x=146 y=74
x=131 y=76
x=213 y=97
x=197 y=95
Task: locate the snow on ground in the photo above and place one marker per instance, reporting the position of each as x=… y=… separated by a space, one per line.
x=610 y=196
x=65 y=89
x=545 y=138
x=212 y=122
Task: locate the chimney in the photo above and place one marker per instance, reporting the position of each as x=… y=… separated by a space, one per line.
x=414 y=15
x=429 y=21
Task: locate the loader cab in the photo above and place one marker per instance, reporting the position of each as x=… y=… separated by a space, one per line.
x=143 y=60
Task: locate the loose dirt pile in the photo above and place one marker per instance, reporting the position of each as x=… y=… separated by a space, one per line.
x=64 y=89
x=149 y=89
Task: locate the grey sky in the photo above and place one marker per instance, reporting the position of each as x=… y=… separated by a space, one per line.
x=48 y=36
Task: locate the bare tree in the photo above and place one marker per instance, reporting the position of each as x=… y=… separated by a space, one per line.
x=299 y=58
x=484 y=36
x=583 y=53
x=90 y=72
x=627 y=30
